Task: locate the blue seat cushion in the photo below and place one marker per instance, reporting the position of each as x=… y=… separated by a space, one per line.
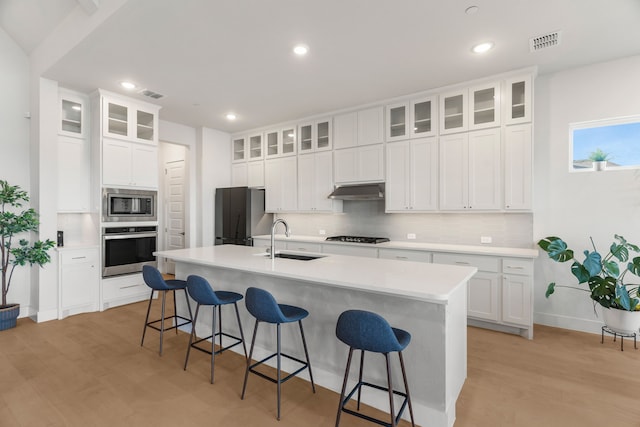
x=153 y=278
x=201 y=291
x=263 y=306
x=293 y=313
x=364 y=330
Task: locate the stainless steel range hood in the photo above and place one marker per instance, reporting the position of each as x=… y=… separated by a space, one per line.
x=359 y=192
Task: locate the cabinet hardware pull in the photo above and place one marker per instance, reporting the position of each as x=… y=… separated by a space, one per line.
x=401 y=257
x=78 y=257
x=515 y=268
x=130 y=286
x=462 y=263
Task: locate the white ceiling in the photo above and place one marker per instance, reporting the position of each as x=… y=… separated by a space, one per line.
x=209 y=57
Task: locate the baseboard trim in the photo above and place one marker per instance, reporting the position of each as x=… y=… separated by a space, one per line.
x=568 y=322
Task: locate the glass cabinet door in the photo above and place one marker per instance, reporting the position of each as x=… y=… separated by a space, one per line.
x=423 y=117
x=397 y=122
x=518 y=99
x=484 y=106
x=288 y=137
x=323 y=135
x=71 y=120
x=271 y=141
x=144 y=125
x=238 y=149
x=306 y=137
x=117 y=119
x=255 y=147
x=453 y=112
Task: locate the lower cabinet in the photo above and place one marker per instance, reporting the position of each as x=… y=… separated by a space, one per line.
x=122 y=290
x=79 y=281
x=350 y=250
x=404 y=255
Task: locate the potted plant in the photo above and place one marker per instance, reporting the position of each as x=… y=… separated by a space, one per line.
x=604 y=278
x=12 y=223
x=599 y=159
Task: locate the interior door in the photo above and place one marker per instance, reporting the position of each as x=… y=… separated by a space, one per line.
x=174 y=209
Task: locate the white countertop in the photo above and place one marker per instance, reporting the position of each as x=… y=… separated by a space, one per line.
x=435 y=247
x=416 y=280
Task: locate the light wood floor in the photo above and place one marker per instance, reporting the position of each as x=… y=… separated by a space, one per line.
x=89 y=370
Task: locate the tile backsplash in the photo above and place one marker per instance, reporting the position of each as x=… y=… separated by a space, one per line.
x=367 y=218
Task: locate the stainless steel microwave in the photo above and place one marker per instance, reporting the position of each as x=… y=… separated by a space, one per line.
x=120 y=205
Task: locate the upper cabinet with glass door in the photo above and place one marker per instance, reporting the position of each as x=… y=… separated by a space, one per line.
x=484 y=106
x=238 y=148
x=280 y=142
x=397 y=122
x=422 y=117
x=315 y=136
x=453 y=112
x=129 y=119
x=73 y=114
x=518 y=100
x=255 y=147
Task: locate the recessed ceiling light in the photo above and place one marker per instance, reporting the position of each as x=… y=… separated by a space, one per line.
x=301 y=49
x=231 y=116
x=128 y=85
x=482 y=47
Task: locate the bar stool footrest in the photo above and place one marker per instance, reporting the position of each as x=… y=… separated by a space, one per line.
x=304 y=364
x=177 y=325
x=367 y=417
x=221 y=349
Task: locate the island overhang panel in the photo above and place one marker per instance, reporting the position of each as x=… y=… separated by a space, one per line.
x=427 y=300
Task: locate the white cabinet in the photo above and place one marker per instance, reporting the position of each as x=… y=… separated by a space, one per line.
x=280 y=142
x=483 y=292
x=129 y=164
x=404 y=255
x=484 y=106
x=518 y=100
x=255 y=147
x=470 y=171
x=315 y=135
x=518 y=166
x=74 y=174
x=74 y=113
x=304 y=247
x=124 y=289
x=360 y=164
x=280 y=183
x=517 y=288
x=125 y=119
x=239 y=149
x=79 y=281
x=349 y=250
x=411 y=119
x=412 y=175
x=255 y=174
x=239 y=177
x=453 y=112
x=357 y=128
x=266 y=243
x=315 y=183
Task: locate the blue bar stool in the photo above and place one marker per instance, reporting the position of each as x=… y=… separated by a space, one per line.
x=366 y=331
x=153 y=278
x=200 y=290
x=263 y=306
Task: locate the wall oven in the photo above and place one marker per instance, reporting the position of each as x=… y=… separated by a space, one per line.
x=126 y=249
x=119 y=205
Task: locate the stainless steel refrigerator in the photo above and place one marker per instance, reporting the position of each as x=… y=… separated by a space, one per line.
x=240 y=215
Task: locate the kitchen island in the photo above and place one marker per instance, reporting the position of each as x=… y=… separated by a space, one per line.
x=427 y=300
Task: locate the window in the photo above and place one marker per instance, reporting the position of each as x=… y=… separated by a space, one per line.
x=616 y=141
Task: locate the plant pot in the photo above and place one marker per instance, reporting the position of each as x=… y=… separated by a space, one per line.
x=622 y=321
x=8 y=316
x=600 y=166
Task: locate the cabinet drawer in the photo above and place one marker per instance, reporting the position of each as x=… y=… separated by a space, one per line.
x=482 y=263
x=350 y=250
x=517 y=266
x=266 y=243
x=404 y=255
x=122 y=287
x=76 y=257
x=304 y=246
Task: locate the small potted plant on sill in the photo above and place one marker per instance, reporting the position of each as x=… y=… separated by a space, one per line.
x=599 y=159
x=12 y=223
x=605 y=279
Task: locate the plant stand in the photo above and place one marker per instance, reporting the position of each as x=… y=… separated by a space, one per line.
x=622 y=337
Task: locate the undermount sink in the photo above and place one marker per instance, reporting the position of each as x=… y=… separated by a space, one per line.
x=299 y=257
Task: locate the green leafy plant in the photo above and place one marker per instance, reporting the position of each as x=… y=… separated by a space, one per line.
x=598 y=156
x=603 y=276
x=14 y=222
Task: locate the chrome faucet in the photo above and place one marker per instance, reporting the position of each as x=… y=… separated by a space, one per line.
x=273 y=230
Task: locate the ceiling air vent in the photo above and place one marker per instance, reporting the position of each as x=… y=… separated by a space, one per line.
x=544 y=41
x=151 y=94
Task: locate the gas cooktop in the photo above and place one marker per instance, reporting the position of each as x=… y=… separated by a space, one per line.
x=357 y=239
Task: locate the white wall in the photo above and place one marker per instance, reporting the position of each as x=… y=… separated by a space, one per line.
x=14 y=139
x=575 y=206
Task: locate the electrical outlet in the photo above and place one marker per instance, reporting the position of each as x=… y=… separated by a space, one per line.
x=411 y=236
x=322 y=232
x=485 y=239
